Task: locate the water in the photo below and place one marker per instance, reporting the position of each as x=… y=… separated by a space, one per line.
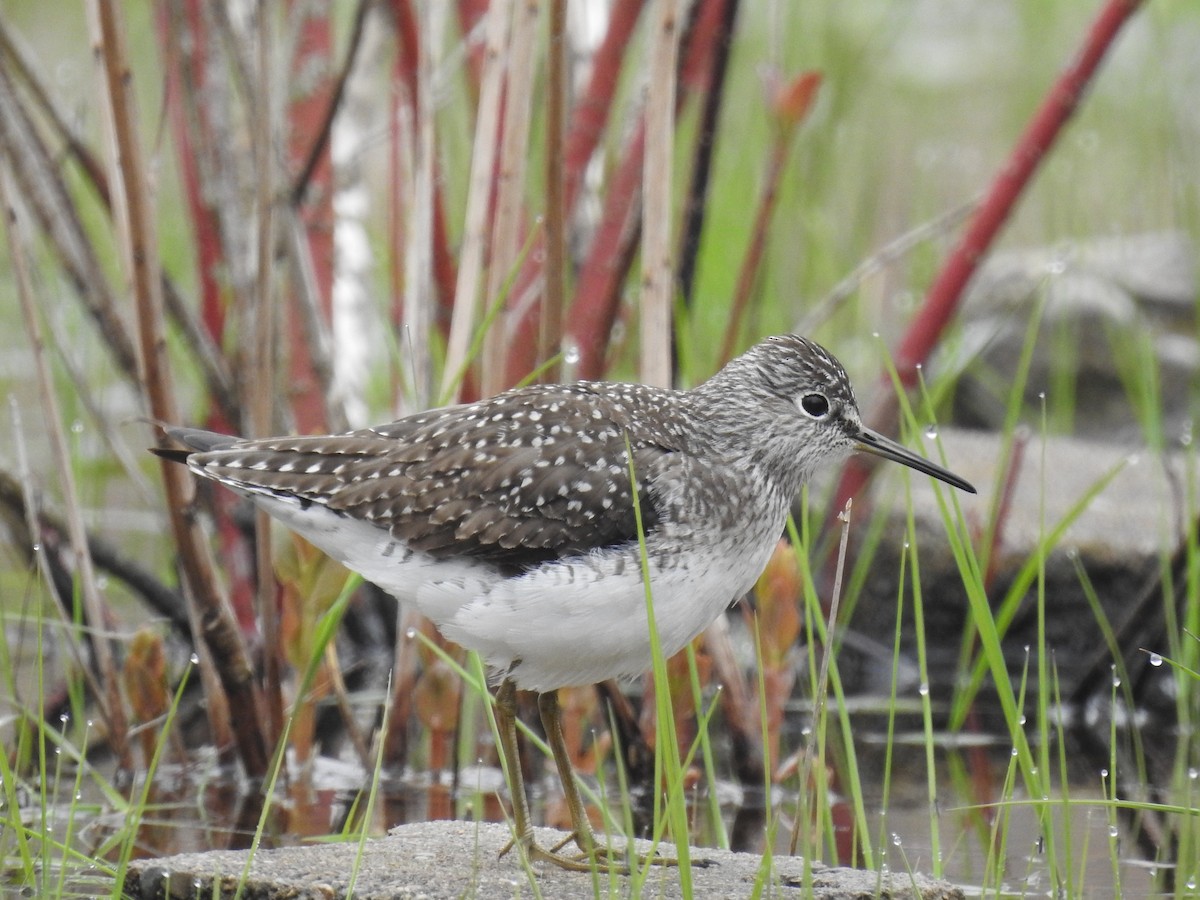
x=196 y=805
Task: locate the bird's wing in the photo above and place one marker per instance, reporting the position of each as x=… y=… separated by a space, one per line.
x=510 y=485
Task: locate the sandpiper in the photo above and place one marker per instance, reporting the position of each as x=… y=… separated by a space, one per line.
x=510 y=522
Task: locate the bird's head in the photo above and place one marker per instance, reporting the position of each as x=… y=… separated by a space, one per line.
x=787 y=404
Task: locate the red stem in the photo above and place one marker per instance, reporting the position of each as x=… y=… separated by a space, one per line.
x=1031 y=149
x=946 y=291
x=597 y=294
x=445 y=271
x=470 y=14
x=590 y=115
x=209 y=256
x=594 y=311
x=307 y=116
x=589 y=118
x=210 y=259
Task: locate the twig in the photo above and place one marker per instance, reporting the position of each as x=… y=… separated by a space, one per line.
x=554 y=280
x=417 y=285
x=14 y=52
x=594 y=310
x=42 y=187
x=790 y=105
x=509 y=186
x=416 y=73
x=743 y=718
x=724 y=13
x=598 y=289
x=320 y=143
x=217 y=376
x=261 y=401
x=471 y=19
x=139 y=239
x=483 y=155
x=108 y=691
x=827 y=651
x=84 y=391
x=1008 y=490
x=590 y=113
x=183 y=30
x=311 y=341
x=165 y=601
x=54 y=570
x=337 y=685
x=884 y=256
x=304 y=232
x=405 y=670
x=658 y=272
x=202 y=347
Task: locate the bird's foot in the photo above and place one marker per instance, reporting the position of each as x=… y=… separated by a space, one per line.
x=592 y=854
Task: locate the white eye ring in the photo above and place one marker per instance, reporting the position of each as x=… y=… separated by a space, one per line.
x=814 y=405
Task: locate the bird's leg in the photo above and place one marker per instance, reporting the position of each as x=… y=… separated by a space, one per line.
x=506 y=724
x=551 y=714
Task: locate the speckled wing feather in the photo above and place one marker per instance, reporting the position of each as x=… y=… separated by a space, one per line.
x=526 y=476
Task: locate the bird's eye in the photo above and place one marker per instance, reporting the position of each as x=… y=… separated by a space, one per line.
x=815 y=405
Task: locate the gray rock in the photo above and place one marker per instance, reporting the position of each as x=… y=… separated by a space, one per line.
x=434 y=860
x=1118 y=539
x=1104 y=302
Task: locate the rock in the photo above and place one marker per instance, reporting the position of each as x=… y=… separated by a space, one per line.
x=461 y=859
x=1136 y=515
x=1108 y=306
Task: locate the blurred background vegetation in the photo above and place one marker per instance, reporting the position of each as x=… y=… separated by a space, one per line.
x=324 y=300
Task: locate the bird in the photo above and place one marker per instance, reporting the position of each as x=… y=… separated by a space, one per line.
x=517 y=523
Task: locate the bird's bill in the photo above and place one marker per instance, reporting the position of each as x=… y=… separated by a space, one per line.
x=869 y=441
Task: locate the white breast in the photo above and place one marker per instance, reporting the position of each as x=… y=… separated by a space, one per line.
x=572 y=622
